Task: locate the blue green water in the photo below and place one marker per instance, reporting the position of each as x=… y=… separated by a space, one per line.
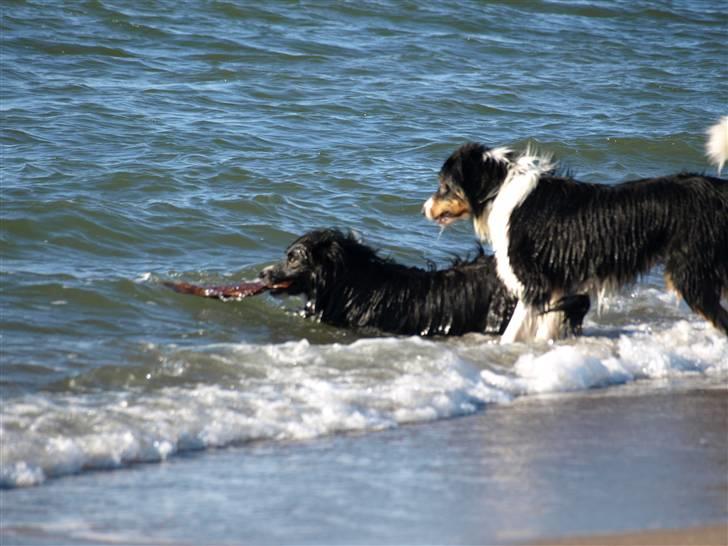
x=149 y=141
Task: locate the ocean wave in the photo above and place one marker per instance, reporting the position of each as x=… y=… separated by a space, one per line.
x=687 y=348
x=299 y=391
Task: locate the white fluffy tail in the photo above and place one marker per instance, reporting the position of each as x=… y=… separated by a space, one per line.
x=717 y=146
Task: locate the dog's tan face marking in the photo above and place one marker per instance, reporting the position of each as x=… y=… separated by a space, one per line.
x=446 y=206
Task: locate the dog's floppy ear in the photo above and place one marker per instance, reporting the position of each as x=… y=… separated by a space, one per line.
x=463 y=164
x=477 y=171
x=472 y=161
x=335 y=252
x=329 y=253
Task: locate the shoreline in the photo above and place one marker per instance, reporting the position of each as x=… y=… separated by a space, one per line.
x=582 y=468
x=707 y=535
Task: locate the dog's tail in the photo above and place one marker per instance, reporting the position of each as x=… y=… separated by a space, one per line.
x=717 y=146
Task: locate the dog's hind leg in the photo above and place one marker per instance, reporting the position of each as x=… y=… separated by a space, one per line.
x=701 y=292
x=721 y=321
x=714 y=312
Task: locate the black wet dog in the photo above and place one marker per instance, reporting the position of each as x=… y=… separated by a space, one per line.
x=347 y=284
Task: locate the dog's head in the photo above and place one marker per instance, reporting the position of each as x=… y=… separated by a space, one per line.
x=311 y=263
x=469 y=180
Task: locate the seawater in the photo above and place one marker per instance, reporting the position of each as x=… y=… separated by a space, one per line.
x=196 y=141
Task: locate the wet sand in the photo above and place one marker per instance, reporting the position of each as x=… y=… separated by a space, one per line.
x=716 y=535
x=592 y=465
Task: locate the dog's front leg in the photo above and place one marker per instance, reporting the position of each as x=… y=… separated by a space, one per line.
x=520 y=327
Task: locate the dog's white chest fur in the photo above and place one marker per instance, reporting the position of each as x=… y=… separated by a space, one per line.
x=522 y=178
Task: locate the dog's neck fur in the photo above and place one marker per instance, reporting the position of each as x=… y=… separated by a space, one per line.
x=493 y=222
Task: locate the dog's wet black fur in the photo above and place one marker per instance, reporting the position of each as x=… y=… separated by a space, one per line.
x=346 y=283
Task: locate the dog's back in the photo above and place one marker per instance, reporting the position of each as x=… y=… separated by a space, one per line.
x=356 y=287
x=365 y=290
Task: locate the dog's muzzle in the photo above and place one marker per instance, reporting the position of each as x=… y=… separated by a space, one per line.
x=427 y=209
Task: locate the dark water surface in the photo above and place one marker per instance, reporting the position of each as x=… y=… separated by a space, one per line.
x=149 y=141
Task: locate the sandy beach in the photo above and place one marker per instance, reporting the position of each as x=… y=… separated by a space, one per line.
x=714 y=535
x=588 y=466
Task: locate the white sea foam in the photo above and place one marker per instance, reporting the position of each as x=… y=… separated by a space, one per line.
x=298 y=391
x=687 y=348
x=144 y=277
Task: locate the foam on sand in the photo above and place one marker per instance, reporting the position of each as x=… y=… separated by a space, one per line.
x=229 y=394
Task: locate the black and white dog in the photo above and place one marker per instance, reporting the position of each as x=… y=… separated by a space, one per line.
x=554 y=236
x=347 y=284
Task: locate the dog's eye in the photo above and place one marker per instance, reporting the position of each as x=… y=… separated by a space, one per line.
x=295 y=256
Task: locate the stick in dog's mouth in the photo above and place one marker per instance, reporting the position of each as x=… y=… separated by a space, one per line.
x=225 y=292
